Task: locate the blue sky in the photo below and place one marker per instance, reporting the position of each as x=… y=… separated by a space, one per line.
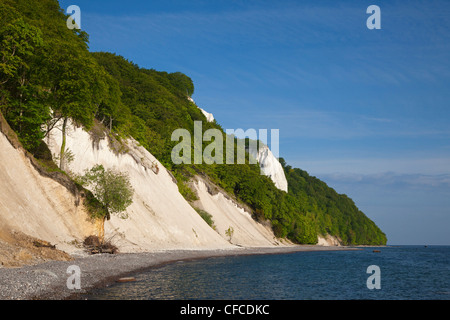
x=367 y=111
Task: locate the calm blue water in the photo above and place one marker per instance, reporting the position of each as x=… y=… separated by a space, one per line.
x=406 y=272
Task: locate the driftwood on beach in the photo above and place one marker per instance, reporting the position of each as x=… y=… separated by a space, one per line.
x=94 y=245
x=43 y=244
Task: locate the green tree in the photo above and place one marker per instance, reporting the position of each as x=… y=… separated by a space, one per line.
x=111 y=107
x=77 y=88
x=19 y=41
x=21 y=100
x=111 y=188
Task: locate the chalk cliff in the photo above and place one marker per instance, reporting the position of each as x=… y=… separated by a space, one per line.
x=36 y=205
x=159 y=217
x=209 y=116
x=270 y=166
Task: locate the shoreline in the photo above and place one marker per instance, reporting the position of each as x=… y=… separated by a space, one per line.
x=48 y=281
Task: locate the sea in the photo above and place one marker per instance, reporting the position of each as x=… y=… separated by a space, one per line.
x=368 y=273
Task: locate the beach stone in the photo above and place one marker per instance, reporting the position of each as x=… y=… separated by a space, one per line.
x=126 y=279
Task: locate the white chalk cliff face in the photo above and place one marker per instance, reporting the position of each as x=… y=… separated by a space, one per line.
x=209 y=116
x=227 y=214
x=328 y=240
x=270 y=166
x=36 y=205
x=159 y=217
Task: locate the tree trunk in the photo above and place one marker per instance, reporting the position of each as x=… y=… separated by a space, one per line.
x=62 y=154
x=22 y=82
x=101 y=235
x=100 y=226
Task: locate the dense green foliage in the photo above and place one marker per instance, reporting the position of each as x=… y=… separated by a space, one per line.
x=111 y=188
x=153 y=104
x=48 y=73
x=334 y=213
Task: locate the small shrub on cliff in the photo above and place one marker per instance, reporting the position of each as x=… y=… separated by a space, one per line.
x=111 y=188
x=112 y=191
x=229 y=233
x=207 y=217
